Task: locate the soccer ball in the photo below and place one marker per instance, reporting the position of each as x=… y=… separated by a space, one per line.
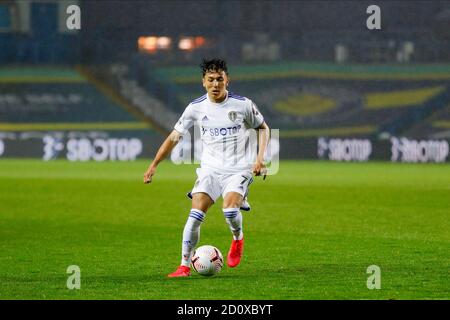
x=207 y=260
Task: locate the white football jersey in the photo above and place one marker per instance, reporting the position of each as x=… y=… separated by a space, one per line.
x=227 y=140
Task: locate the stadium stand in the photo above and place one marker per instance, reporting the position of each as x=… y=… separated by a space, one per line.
x=50 y=98
x=437 y=126
x=117 y=81
x=320 y=99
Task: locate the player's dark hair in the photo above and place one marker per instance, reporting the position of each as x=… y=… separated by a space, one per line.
x=213 y=65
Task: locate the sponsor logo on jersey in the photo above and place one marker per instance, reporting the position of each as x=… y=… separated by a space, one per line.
x=205 y=118
x=216 y=132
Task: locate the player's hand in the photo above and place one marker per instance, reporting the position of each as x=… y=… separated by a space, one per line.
x=149 y=174
x=259 y=168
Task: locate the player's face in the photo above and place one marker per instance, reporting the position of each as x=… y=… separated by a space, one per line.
x=215 y=83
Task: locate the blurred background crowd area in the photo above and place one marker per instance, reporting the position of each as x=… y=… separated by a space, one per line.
x=181 y=32
x=313 y=67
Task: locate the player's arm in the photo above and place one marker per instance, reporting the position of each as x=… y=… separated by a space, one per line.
x=263 y=139
x=166 y=147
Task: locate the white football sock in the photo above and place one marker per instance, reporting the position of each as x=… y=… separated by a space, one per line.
x=234 y=219
x=191 y=235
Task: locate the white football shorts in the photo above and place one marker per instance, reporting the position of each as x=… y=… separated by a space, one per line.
x=218 y=184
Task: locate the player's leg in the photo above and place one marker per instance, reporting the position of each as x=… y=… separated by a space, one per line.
x=233 y=216
x=231 y=204
x=201 y=202
x=204 y=193
x=235 y=188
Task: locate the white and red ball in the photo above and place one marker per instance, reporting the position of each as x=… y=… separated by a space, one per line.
x=207 y=260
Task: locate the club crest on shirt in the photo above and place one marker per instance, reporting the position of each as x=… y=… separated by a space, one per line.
x=232 y=115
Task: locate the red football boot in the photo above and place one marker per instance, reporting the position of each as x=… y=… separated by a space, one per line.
x=182 y=271
x=235 y=253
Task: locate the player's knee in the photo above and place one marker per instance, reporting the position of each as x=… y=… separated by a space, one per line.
x=201 y=202
x=232 y=202
x=200 y=206
x=231 y=205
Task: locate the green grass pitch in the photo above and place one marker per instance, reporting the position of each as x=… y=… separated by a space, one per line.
x=313 y=231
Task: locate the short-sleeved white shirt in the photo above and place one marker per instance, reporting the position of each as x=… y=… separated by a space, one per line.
x=225 y=129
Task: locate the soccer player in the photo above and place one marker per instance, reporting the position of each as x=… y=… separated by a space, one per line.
x=224 y=119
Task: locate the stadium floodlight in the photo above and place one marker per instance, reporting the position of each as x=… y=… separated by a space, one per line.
x=148 y=44
x=186 y=43
x=163 y=43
